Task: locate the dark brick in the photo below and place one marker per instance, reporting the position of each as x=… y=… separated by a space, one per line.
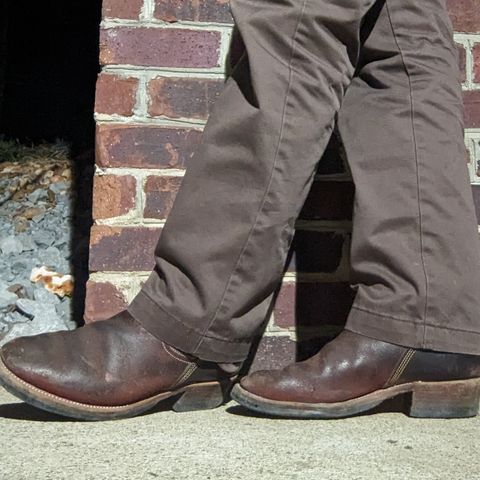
x=160 y=193
x=157 y=47
x=316 y=251
x=116 y=95
x=476 y=63
x=329 y=201
x=465 y=15
x=313 y=304
x=113 y=195
x=145 y=146
x=472 y=108
x=103 y=300
x=177 y=97
x=193 y=10
x=125 y=9
x=122 y=249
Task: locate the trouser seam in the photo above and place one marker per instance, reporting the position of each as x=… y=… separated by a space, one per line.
x=416 y=155
x=201 y=334
x=391 y=317
x=270 y=180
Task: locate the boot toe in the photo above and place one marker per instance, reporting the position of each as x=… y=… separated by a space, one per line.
x=14 y=356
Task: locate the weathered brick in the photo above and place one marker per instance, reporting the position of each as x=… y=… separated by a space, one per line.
x=472 y=108
x=465 y=15
x=122 y=249
x=462 y=62
x=193 y=10
x=476 y=63
x=157 y=47
x=160 y=193
x=313 y=304
x=145 y=146
x=314 y=251
x=113 y=195
x=116 y=95
x=103 y=300
x=177 y=97
x=329 y=201
x=125 y=9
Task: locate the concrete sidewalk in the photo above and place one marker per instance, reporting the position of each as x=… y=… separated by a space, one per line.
x=229 y=444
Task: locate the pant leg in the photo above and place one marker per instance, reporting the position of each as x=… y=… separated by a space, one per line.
x=222 y=250
x=415 y=251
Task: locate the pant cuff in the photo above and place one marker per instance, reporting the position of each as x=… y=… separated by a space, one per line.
x=412 y=334
x=182 y=336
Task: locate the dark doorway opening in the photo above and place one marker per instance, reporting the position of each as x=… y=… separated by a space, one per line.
x=48 y=70
x=49 y=67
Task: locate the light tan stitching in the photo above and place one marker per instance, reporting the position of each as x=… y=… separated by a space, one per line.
x=169 y=352
x=187 y=373
x=401 y=367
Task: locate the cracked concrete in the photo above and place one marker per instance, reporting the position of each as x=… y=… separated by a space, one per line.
x=228 y=443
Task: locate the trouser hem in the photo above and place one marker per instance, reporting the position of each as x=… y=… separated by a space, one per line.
x=414 y=334
x=174 y=332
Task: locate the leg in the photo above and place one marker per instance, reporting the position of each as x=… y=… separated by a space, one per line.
x=415 y=251
x=223 y=248
x=235 y=210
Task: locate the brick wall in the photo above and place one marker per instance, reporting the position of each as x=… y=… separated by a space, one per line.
x=164 y=63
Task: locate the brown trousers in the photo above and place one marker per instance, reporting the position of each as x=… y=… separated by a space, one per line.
x=395 y=88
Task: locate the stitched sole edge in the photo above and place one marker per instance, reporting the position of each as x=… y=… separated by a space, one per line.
x=344 y=409
x=68 y=408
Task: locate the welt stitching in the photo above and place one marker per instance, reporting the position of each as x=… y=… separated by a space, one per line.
x=267 y=190
x=415 y=143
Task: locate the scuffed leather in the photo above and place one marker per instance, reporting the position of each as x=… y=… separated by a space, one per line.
x=111 y=362
x=353 y=365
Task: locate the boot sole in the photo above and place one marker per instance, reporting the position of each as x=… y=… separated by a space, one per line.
x=199 y=396
x=455 y=399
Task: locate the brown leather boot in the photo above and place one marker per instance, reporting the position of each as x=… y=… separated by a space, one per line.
x=108 y=370
x=354 y=373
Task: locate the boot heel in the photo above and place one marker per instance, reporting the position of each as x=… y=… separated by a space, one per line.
x=457 y=399
x=202 y=397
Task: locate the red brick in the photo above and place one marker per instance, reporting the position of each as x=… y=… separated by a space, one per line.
x=160 y=193
x=145 y=146
x=465 y=15
x=158 y=47
x=127 y=9
x=476 y=63
x=193 y=10
x=313 y=304
x=116 y=95
x=316 y=251
x=472 y=108
x=462 y=62
x=329 y=201
x=122 y=249
x=113 y=195
x=177 y=97
x=103 y=300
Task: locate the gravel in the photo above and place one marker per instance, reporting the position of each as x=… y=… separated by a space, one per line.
x=36 y=205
